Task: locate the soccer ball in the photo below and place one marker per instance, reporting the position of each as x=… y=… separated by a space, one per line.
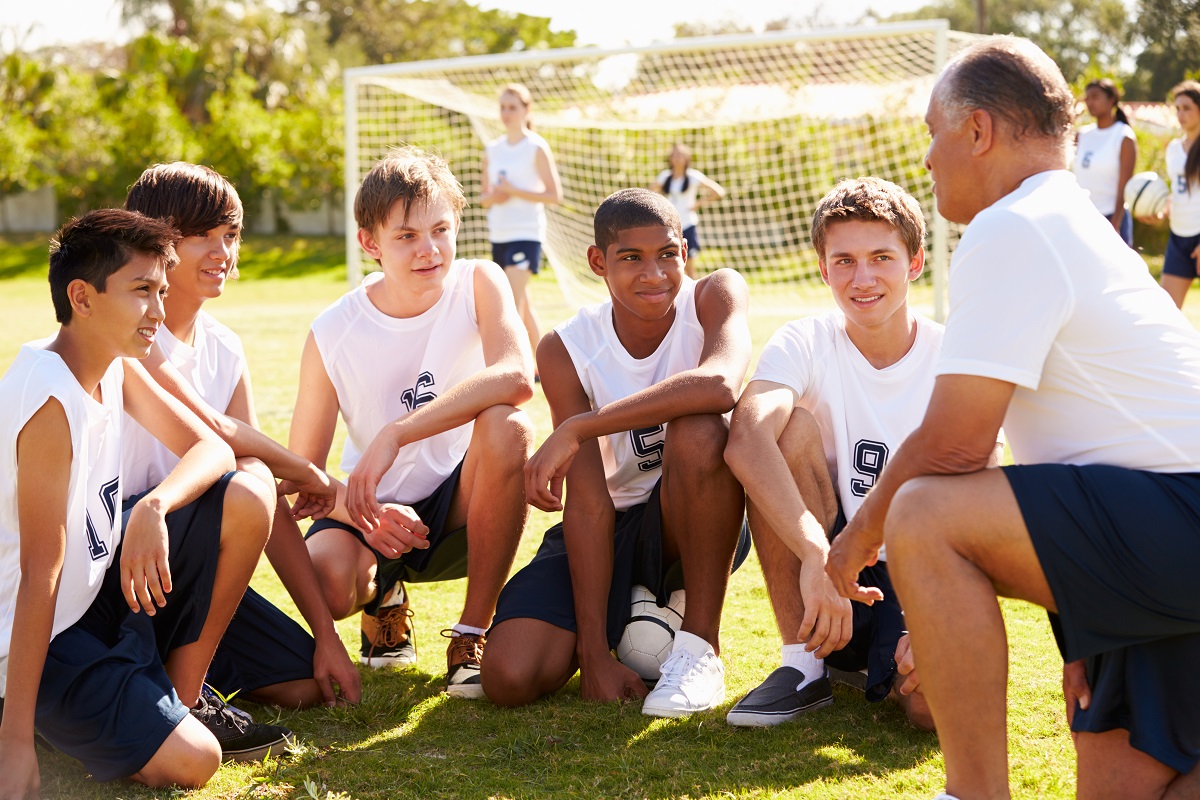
x=650 y=634
x=1146 y=195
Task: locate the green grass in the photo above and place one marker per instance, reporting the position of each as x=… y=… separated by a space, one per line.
x=407 y=740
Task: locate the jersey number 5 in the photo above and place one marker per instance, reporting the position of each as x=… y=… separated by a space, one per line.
x=108 y=496
x=647 y=448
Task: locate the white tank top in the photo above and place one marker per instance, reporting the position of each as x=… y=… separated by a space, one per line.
x=384 y=368
x=1185 y=205
x=516 y=220
x=632 y=459
x=1097 y=164
x=212 y=365
x=684 y=201
x=93 y=492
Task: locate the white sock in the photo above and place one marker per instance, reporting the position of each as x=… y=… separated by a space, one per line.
x=395 y=596
x=460 y=629
x=795 y=656
x=944 y=796
x=693 y=644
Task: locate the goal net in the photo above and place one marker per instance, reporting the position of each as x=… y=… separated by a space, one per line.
x=776 y=119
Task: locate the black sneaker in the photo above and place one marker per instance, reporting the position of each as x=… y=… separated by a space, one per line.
x=394 y=644
x=776 y=699
x=464 y=659
x=239 y=740
x=211 y=695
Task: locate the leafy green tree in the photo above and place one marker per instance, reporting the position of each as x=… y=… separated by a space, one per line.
x=1170 y=30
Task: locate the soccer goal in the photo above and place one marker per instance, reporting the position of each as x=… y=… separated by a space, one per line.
x=775 y=118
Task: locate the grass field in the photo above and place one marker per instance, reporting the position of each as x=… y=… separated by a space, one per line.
x=407 y=740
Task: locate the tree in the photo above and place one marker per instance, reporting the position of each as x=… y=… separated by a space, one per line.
x=1077 y=34
x=1170 y=31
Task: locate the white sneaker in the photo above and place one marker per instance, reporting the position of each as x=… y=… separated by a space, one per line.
x=693 y=679
x=944 y=796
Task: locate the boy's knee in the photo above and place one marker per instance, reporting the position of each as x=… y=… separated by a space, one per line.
x=505 y=432
x=801 y=439
x=249 y=507
x=255 y=467
x=505 y=683
x=698 y=440
x=188 y=759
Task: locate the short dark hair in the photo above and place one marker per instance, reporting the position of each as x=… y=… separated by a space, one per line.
x=633 y=208
x=94 y=246
x=191 y=197
x=870 y=200
x=1013 y=80
x=410 y=175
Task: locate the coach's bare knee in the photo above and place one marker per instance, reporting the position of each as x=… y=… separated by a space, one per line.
x=912 y=527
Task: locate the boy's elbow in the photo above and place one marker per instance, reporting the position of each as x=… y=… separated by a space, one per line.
x=742 y=448
x=723 y=394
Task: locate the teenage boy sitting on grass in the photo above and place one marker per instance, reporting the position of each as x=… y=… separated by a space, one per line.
x=265 y=655
x=426 y=361
x=108 y=623
x=832 y=396
x=638 y=388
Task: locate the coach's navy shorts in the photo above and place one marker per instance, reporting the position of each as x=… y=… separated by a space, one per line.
x=1119 y=549
x=693 y=240
x=542 y=589
x=522 y=255
x=445 y=559
x=105 y=697
x=1178 y=259
x=877 y=630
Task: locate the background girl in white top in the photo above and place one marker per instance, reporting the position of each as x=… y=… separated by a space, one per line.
x=682 y=185
x=1105 y=154
x=1183 y=171
x=519 y=180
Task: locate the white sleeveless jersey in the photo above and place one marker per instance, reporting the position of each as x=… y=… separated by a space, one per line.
x=212 y=365
x=384 y=368
x=684 y=201
x=1097 y=164
x=1185 y=205
x=93 y=492
x=516 y=220
x=864 y=413
x=632 y=459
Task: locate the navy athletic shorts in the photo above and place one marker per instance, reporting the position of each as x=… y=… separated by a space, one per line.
x=261 y=647
x=1119 y=549
x=542 y=589
x=877 y=630
x=105 y=697
x=522 y=255
x=445 y=559
x=693 y=240
x=1178 y=259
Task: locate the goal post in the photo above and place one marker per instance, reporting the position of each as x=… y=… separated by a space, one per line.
x=776 y=119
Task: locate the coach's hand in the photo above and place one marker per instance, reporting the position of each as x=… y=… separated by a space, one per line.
x=608 y=681
x=145 y=571
x=547 y=468
x=361 y=503
x=19 y=780
x=828 y=620
x=398 y=529
x=335 y=673
x=1075 y=688
x=854 y=548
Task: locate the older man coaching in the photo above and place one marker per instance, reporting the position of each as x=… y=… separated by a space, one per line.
x=1056 y=330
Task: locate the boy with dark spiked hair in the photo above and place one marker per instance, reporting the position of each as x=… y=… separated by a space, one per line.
x=265 y=655
x=832 y=396
x=426 y=361
x=638 y=388
x=108 y=622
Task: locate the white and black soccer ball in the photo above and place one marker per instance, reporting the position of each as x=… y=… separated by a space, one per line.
x=650 y=634
x=1146 y=195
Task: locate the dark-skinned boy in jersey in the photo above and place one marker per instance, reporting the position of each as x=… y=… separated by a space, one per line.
x=639 y=388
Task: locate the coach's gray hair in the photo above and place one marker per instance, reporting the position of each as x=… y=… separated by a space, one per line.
x=1013 y=80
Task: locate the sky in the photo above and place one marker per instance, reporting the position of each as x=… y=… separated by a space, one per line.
x=607 y=23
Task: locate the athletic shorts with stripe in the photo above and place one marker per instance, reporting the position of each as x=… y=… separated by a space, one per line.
x=445 y=559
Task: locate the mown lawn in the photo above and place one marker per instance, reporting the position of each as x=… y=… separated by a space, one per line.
x=407 y=740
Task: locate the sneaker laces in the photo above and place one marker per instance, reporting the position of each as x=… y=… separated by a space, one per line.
x=675 y=669
x=212 y=710
x=465 y=648
x=393 y=626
